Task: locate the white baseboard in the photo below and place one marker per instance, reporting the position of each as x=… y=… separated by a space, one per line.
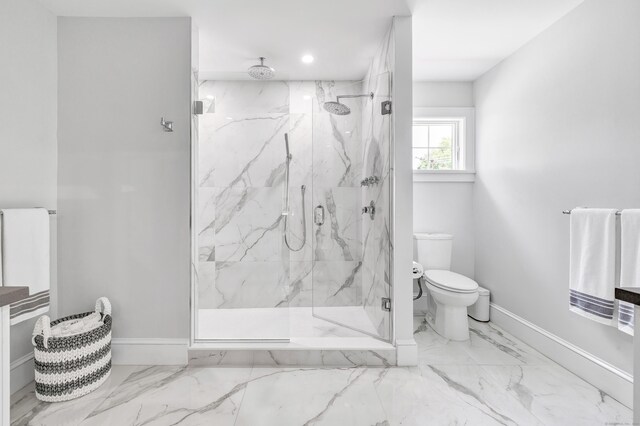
x=124 y=352
x=22 y=372
x=406 y=353
x=127 y=351
x=601 y=374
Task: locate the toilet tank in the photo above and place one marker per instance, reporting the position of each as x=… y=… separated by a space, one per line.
x=433 y=251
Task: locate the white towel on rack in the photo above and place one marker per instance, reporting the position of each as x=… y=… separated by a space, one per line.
x=629 y=264
x=25 y=259
x=593 y=261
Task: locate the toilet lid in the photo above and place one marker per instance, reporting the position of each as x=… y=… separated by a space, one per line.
x=448 y=280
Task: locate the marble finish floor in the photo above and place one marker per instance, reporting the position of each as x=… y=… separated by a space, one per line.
x=493 y=379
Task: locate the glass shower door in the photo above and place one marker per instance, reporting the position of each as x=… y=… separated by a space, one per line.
x=242 y=283
x=351 y=201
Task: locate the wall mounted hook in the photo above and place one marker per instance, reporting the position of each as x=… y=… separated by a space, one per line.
x=167 y=126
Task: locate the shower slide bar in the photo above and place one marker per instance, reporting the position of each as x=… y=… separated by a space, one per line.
x=618 y=213
x=49 y=211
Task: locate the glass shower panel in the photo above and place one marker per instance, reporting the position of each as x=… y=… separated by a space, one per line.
x=376 y=229
x=242 y=288
x=349 y=172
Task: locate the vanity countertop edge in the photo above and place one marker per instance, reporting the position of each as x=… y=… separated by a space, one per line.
x=629 y=295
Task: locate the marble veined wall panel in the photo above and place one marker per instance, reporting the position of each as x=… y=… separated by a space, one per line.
x=242 y=259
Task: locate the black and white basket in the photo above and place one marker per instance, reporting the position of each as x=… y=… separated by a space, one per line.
x=71 y=366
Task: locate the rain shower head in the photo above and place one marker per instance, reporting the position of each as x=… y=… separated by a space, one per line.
x=338 y=108
x=261 y=72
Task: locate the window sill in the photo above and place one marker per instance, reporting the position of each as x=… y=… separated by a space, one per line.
x=444 y=176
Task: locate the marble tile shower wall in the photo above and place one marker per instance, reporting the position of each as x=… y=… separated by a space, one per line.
x=242 y=259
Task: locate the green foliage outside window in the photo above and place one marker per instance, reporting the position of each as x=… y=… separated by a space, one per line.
x=439 y=158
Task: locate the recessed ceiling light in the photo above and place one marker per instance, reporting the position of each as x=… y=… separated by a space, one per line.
x=348 y=132
x=210 y=97
x=307 y=59
x=229 y=118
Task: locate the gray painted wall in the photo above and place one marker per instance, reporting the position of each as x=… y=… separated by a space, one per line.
x=446 y=206
x=28 y=90
x=124 y=183
x=557 y=127
x=438 y=94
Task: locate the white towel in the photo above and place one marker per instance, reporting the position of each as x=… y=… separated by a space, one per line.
x=77 y=325
x=629 y=264
x=593 y=261
x=25 y=259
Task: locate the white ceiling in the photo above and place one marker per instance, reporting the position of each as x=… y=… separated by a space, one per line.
x=342 y=35
x=454 y=40
x=459 y=40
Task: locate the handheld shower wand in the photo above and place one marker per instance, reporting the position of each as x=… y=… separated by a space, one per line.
x=286 y=202
x=286 y=189
x=286 y=145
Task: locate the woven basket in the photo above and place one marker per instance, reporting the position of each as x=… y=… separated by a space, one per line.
x=72 y=366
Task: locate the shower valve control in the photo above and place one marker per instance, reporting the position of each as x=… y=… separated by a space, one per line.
x=371 y=180
x=318 y=215
x=386 y=304
x=385 y=108
x=370 y=209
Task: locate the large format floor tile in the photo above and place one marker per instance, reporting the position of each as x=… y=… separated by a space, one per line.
x=310 y=396
x=492 y=379
x=446 y=395
x=179 y=395
x=27 y=410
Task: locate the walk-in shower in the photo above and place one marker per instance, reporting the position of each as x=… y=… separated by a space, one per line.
x=285 y=254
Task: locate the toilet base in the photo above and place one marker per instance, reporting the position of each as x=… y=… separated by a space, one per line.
x=448 y=312
x=451 y=322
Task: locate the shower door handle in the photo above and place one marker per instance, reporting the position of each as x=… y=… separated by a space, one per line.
x=318 y=215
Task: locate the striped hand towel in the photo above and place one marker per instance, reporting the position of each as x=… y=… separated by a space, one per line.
x=629 y=264
x=592 y=268
x=25 y=259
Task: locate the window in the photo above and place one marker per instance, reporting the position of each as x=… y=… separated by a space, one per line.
x=436 y=144
x=443 y=144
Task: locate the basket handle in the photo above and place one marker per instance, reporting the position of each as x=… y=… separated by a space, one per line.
x=42 y=327
x=103 y=306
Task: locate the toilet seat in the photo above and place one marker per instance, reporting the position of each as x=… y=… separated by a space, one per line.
x=450 y=281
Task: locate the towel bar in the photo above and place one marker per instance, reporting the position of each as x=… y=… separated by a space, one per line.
x=49 y=211
x=618 y=213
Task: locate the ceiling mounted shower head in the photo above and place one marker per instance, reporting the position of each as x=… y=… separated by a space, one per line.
x=337 y=108
x=261 y=72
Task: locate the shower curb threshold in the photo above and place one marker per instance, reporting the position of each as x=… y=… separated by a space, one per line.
x=298 y=352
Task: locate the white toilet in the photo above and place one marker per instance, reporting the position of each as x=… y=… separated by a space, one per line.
x=451 y=292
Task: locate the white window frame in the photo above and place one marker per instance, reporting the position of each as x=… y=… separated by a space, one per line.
x=466 y=149
x=458 y=127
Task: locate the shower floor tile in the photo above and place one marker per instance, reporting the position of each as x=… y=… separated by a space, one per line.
x=492 y=379
x=282 y=323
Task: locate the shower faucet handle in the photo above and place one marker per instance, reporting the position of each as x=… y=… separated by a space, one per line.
x=371 y=180
x=370 y=210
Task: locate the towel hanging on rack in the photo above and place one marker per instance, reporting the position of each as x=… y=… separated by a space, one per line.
x=25 y=259
x=629 y=264
x=592 y=264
